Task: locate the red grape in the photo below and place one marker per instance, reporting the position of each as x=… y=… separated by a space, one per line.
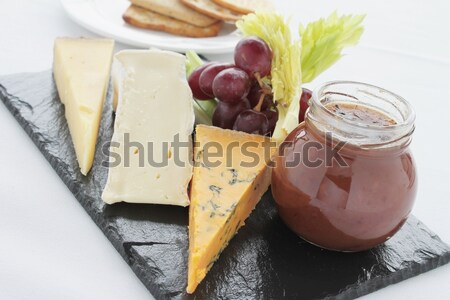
x=225 y=114
x=306 y=95
x=231 y=85
x=194 y=83
x=252 y=121
x=253 y=55
x=207 y=77
x=254 y=96
x=272 y=117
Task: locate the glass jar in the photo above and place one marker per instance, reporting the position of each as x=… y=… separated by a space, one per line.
x=345 y=178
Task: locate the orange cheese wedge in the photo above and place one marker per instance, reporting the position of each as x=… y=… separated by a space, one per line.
x=231 y=174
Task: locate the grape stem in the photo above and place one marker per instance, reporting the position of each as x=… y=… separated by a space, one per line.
x=260 y=102
x=258 y=78
x=265 y=89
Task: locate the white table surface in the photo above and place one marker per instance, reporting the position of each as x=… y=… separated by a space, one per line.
x=49 y=247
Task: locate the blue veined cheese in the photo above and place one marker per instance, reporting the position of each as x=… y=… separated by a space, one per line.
x=223 y=195
x=151 y=148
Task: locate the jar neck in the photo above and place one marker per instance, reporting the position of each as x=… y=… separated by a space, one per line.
x=353 y=131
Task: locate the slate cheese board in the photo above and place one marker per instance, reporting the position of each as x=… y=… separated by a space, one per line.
x=263 y=261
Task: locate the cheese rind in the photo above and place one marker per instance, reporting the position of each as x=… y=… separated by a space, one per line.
x=81 y=69
x=223 y=196
x=154 y=110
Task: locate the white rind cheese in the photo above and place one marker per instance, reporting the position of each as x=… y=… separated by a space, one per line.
x=154 y=106
x=81 y=70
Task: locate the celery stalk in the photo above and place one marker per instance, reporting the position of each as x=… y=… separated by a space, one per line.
x=285 y=77
x=320 y=46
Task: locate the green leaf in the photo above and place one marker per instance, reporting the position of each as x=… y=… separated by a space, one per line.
x=323 y=42
x=193 y=61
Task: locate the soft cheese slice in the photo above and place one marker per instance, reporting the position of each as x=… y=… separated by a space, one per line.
x=223 y=195
x=81 y=70
x=151 y=148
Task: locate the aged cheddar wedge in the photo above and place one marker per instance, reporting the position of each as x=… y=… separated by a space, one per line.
x=151 y=148
x=231 y=174
x=81 y=70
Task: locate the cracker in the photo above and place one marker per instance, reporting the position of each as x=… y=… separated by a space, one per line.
x=147 y=19
x=209 y=8
x=246 y=6
x=177 y=10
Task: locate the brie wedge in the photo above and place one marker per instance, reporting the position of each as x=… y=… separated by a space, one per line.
x=81 y=70
x=151 y=148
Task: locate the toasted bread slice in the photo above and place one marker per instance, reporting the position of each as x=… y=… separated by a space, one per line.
x=209 y=8
x=177 y=10
x=246 y=6
x=147 y=19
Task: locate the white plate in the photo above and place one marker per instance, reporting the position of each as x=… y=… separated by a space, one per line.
x=104 y=17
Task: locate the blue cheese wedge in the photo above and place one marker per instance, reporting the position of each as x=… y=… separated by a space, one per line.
x=151 y=148
x=225 y=189
x=81 y=70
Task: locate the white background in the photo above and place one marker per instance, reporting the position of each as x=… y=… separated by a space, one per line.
x=50 y=249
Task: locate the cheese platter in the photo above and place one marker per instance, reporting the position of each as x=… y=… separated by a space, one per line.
x=128 y=149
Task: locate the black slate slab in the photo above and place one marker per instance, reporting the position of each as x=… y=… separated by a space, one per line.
x=264 y=261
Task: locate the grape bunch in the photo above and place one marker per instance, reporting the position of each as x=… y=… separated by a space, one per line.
x=245 y=99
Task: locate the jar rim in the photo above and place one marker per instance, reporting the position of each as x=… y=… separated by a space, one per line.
x=362 y=134
x=318 y=94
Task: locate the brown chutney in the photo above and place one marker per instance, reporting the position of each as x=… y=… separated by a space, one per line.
x=361 y=197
